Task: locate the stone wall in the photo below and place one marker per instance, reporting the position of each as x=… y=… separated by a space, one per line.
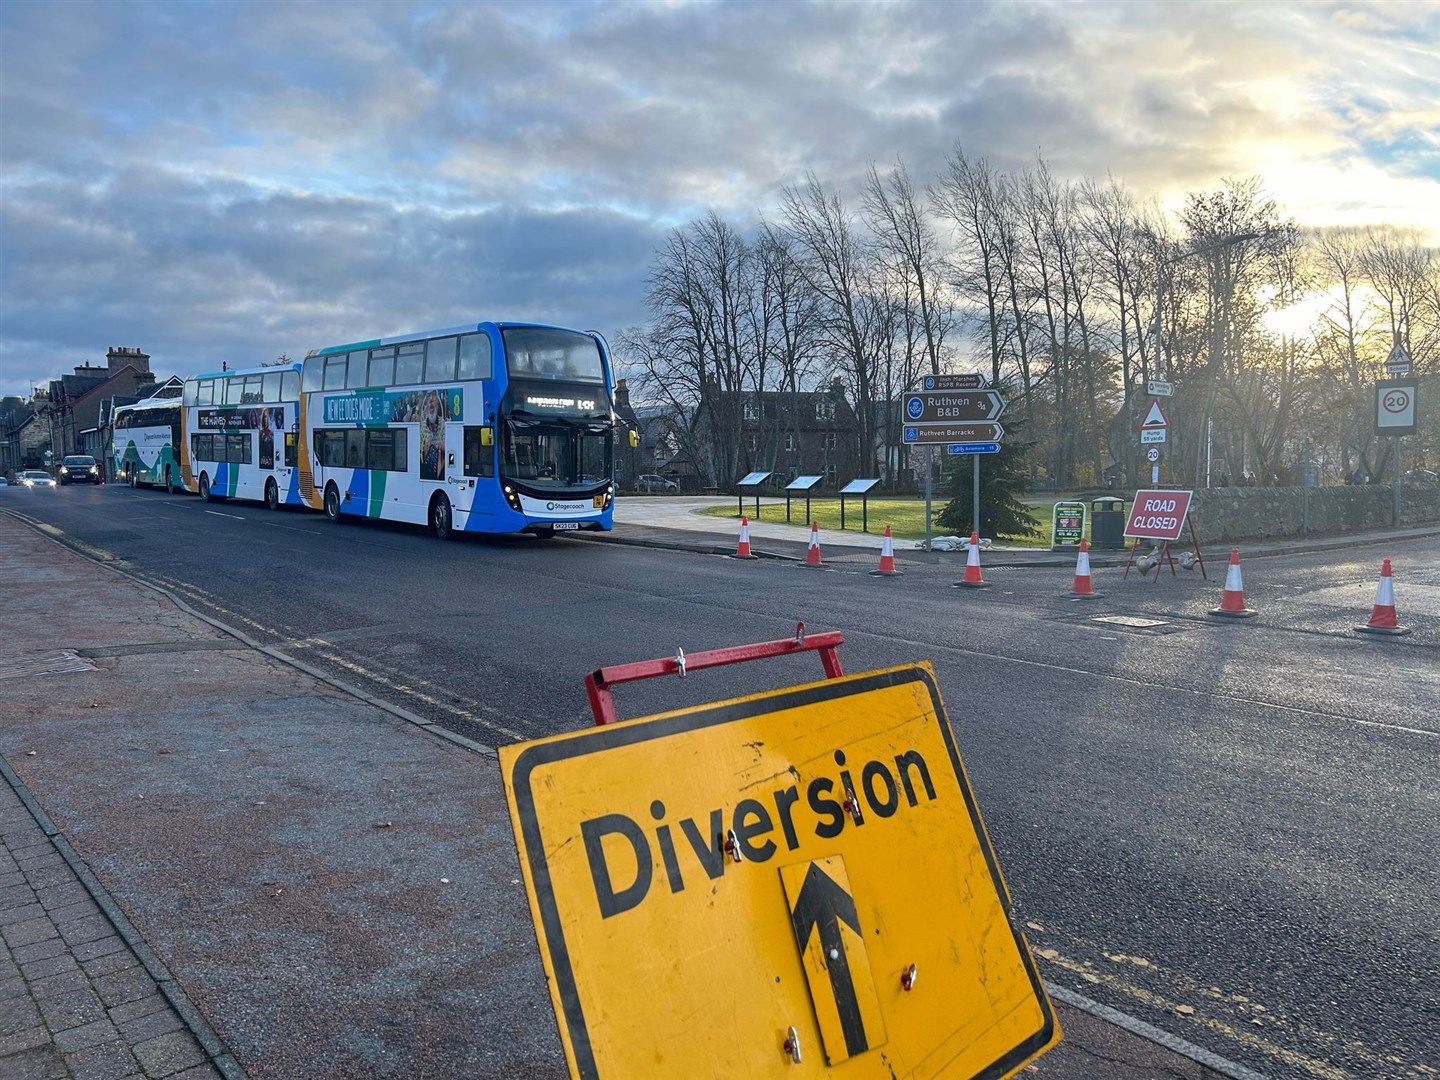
x=1224 y=514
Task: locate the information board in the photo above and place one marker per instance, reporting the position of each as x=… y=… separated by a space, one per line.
x=1067 y=525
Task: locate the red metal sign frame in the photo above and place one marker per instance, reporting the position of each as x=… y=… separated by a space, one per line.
x=599 y=682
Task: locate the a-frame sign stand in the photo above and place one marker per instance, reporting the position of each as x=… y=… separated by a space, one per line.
x=1161 y=516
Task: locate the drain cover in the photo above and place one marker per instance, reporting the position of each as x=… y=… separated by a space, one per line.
x=61 y=663
x=1135 y=624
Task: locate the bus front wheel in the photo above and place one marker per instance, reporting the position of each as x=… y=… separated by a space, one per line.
x=272 y=496
x=332 y=502
x=134 y=481
x=204 y=487
x=440 y=517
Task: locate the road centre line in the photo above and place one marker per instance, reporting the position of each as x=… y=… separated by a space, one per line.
x=232 y=517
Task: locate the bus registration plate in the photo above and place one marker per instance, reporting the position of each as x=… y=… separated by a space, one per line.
x=564 y=526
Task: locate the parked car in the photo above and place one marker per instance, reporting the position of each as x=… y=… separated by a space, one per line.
x=652 y=483
x=79 y=469
x=33 y=478
x=4 y=482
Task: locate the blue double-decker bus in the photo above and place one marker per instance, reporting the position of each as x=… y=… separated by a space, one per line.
x=487 y=427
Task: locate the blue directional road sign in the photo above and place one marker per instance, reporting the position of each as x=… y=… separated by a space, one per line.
x=973 y=448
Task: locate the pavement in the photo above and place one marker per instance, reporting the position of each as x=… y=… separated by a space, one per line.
x=217 y=861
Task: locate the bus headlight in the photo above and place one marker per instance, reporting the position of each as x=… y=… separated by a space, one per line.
x=512 y=497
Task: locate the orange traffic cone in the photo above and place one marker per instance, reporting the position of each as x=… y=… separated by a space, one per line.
x=1382 y=617
x=1232 y=604
x=1083 y=586
x=743 y=550
x=812 y=556
x=972 y=578
x=887 y=558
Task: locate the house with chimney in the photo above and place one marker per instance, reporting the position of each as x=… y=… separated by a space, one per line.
x=71 y=412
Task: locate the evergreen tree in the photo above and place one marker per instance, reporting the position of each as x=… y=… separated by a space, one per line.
x=1003 y=478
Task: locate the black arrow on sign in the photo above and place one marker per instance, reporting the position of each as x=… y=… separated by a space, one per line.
x=821 y=906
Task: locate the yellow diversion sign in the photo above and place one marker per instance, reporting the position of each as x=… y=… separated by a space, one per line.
x=793 y=884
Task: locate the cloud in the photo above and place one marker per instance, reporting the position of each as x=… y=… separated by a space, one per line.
x=227 y=181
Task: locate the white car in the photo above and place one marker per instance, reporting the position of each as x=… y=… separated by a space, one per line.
x=652 y=483
x=33 y=478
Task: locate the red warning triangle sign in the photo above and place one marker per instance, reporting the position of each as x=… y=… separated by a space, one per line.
x=1155 y=417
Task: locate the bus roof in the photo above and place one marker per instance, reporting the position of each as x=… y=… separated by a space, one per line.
x=289 y=365
x=422 y=335
x=149 y=403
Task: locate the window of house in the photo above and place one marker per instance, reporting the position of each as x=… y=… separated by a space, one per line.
x=749 y=408
x=752 y=441
x=792 y=441
x=824 y=408
x=830 y=473
x=827 y=441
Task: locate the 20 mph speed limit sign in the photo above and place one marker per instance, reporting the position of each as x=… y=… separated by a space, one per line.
x=1395 y=407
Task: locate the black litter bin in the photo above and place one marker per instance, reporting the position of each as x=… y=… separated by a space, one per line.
x=1107 y=523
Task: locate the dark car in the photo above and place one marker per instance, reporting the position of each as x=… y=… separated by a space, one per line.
x=79 y=469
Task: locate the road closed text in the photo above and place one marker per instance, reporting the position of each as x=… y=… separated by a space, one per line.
x=622 y=852
x=1158 y=514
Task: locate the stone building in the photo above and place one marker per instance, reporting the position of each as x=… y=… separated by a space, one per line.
x=71 y=413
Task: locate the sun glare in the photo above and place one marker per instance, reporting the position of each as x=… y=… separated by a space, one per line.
x=1300 y=319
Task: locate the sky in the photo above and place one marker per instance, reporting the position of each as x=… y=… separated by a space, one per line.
x=231 y=181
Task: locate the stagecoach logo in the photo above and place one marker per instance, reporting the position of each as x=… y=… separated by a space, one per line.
x=567 y=507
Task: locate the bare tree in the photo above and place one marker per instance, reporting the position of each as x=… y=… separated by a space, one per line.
x=965 y=194
x=899 y=224
x=840 y=266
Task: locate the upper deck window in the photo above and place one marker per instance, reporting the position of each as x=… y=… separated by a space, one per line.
x=548 y=353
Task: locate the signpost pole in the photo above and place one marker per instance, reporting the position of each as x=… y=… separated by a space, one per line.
x=929 y=468
x=975 y=491
x=1395 y=509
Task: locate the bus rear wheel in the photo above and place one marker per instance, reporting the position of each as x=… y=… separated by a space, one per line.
x=169 y=481
x=440 y=518
x=272 y=495
x=204 y=487
x=130 y=473
x=332 y=502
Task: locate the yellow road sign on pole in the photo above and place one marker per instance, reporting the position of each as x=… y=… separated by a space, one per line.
x=792 y=884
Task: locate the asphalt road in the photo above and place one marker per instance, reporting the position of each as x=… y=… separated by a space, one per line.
x=1225 y=829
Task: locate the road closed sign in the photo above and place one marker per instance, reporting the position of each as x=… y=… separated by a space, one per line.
x=796 y=883
x=1158 y=515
